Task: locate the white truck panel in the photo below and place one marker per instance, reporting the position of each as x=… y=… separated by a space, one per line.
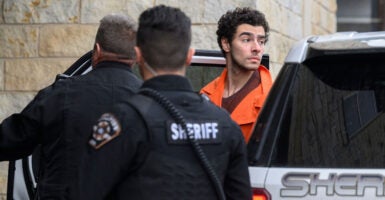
x=319 y=183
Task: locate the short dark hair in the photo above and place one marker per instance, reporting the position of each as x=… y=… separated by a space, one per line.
x=164 y=36
x=229 y=22
x=117 y=34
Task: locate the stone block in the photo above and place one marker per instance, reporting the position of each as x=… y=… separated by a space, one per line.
x=196 y=13
x=278 y=47
x=204 y=37
x=1 y=12
x=3 y=178
x=18 y=41
x=275 y=21
x=1 y=74
x=264 y=6
x=3 y=190
x=66 y=40
x=214 y=9
x=332 y=23
x=331 y=5
x=271 y=46
x=296 y=6
x=3 y=169
x=33 y=74
x=285 y=3
x=93 y=11
x=41 y=11
x=315 y=18
x=307 y=18
x=324 y=17
x=275 y=69
x=294 y=26
x=292 y=5
x=317 y=30
x=134 y=8
x=14 y=102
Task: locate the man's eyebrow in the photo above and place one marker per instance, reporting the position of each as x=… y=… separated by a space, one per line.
x=252 y=34
x=246 y=33
x=261 y=36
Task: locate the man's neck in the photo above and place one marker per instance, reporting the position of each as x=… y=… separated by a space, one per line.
x=235 y=80
x=148 y=75
x=112 y=57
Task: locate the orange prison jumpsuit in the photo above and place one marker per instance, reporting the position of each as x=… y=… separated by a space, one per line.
x=246 y=112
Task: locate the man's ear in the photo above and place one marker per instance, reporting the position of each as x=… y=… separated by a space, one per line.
x=139 y=57
x=96 y=54
x=190 y=55
x=225 y=45
x=97 y=49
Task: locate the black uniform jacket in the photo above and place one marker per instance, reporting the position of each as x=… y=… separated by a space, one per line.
x=151 y=158
x=59 y=119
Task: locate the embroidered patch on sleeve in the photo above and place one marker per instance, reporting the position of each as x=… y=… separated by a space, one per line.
x=106 y=129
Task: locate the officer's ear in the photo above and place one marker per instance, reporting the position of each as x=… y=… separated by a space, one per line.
x=96 y=54
x=190 y=55
x=139 y=57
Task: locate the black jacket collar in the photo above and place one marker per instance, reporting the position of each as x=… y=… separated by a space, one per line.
x=168 y=82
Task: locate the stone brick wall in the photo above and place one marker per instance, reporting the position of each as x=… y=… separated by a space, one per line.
x=39 y=39
x=291 y=20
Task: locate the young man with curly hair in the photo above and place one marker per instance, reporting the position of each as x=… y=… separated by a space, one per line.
x=242 y=87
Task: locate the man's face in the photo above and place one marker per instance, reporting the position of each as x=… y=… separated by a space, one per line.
x=247 y=47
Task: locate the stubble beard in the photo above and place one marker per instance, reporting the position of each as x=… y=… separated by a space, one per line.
x=242 y=67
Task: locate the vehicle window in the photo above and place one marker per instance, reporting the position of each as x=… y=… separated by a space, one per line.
x=335 y=116
x=199 y=76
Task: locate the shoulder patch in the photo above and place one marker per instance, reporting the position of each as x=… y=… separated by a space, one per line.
x=106 y=129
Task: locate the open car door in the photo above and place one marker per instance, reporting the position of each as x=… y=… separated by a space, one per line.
x=23 y=173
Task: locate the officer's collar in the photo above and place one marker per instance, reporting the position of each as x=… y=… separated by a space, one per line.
x=168 y=82
x=112 y=64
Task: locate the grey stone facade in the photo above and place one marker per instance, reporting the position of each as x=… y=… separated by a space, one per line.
x=39 y=39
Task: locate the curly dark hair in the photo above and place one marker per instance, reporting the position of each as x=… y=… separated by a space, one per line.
x=229 y=22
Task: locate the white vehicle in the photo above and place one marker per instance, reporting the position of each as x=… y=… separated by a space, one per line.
x=321 y=133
